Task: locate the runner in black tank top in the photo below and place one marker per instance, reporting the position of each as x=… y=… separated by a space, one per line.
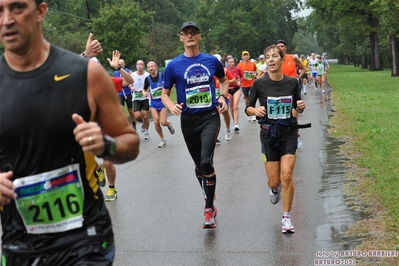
x=49 y=99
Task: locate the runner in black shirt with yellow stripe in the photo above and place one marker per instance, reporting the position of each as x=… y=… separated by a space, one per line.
x=52 y=210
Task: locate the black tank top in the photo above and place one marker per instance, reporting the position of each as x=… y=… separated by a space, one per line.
x=36 y=136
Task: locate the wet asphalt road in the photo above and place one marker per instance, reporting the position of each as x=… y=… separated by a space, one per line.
x=158 y=215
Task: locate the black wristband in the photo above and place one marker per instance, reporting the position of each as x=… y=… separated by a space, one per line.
x=109 y=147
x=119 y=68
x=84 y=55
x=224 y=96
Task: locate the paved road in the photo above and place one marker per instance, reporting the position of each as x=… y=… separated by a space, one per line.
x=159 y=212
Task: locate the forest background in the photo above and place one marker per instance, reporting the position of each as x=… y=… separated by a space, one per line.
x=360 y=32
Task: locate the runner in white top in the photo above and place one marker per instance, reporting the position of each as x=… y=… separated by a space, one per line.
x=140 y=102
x=313 y=76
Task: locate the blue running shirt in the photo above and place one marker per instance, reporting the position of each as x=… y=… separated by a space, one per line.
x=193 y=77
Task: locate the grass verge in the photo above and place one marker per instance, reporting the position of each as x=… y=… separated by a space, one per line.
x=366 y=109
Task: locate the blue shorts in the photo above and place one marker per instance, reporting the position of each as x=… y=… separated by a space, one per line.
x=157 y=104
x=245 y=91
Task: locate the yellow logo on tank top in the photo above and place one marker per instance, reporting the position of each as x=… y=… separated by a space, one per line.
x=59 y=78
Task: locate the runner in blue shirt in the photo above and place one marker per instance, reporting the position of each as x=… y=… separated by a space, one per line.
x=192 y=73
x=153 y=86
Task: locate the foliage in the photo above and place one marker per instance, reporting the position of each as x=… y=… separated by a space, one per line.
x=250 y=25
x=306 y=44
x=148 y=29
x=358 y=30
x=387 y=11
x=122 y=27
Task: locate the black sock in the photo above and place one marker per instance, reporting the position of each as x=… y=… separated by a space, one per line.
x=209 y=188
x=111 y=186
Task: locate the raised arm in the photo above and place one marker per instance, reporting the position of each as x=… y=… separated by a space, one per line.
x=114 y=63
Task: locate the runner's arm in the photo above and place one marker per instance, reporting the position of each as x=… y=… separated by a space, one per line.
x=108 y=112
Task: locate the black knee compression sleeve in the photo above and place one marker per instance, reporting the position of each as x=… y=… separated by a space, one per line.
x=199 y=176
x=209 y=189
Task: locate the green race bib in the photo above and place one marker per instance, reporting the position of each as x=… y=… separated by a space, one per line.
x=199 y=97
x=51 y=202
x=138 y=95
x=156 y=93
x=248 y=75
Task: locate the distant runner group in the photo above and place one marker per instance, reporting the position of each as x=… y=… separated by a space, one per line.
x=205 y=86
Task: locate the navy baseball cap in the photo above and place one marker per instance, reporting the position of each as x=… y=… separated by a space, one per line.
x=189 y=24
x=281 y=41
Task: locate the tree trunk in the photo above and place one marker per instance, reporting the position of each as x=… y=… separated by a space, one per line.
x=394 y=45
x=355 y=63
x=340 y=60
x=375 y=64
x=364 y=62
x=346 y=60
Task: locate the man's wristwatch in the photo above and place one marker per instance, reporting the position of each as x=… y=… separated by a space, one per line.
x=109 y=147
x=119 y=68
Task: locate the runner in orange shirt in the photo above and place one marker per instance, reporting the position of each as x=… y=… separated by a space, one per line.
x=289 y=67
x=226 y=115
x=248 y=70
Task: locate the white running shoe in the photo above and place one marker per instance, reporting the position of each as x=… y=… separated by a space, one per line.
x=146 y=135
x=228 y=134
x=287 y=226
x=275 y=197
x=254 y=118
x=299 y=145
x=249 y=118
x=162 y=143
x=142 y=128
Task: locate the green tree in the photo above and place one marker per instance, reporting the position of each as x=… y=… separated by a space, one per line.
x=387 y=11
x=122 y=27
x=65 y=26
x=249 y=25
x=352 y=22
x=304 y=43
